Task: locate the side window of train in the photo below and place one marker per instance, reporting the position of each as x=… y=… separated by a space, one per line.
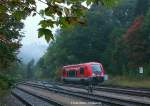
x=72 y=73
x=82 y=71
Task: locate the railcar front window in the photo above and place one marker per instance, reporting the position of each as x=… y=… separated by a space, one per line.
x=96 y=68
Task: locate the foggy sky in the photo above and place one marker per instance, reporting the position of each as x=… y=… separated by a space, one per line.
x=33 y=47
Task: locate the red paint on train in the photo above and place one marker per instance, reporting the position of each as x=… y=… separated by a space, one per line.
x=82 y=73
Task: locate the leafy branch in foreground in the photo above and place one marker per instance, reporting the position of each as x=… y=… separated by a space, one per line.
x=11 y=13
x=64 y=13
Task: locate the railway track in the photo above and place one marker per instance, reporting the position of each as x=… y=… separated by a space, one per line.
x=138 y=92
x=40 y=102
x=25 y=102
x=54 y=91
x=93 y=97
x=123 y=90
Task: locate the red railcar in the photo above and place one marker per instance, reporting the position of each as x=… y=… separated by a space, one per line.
x=83 y=73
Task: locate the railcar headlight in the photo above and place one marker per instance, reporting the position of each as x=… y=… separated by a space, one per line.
x=105 y=77
x=93 y=74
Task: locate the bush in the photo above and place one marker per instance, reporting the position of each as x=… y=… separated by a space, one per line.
x=4 y=84
x=6 y=81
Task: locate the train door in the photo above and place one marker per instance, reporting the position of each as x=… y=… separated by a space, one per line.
x=82 y=71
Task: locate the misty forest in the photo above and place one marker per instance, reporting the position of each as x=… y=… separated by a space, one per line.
x=113 y=32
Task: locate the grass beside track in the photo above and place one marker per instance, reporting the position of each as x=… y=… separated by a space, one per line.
x=125 y=81
x=4 y=94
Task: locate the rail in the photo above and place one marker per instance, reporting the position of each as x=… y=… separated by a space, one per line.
x=93 y=97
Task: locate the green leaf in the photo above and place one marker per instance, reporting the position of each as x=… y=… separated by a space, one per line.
x=19 y=15
x=88 y=2
x=67 y=22
x=63 y=22
x=31 y=1
x=47 y=38
x=49 y=11
x=78 y=10
x=109 y=3
x=41 y=12
x=40 y=32
x=60 y=1
x=45 y=32
x=2 y=9
x=47 y=23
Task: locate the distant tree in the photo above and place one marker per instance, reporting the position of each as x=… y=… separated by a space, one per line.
x=41 y=68
x=14 y=73
x=115 y=55
x=145 y=32
x=30 y=67
x=142 y=7
x=11 y=13
x=125 y=12
x=135 y=44
x=10 y=37
x=134 y=39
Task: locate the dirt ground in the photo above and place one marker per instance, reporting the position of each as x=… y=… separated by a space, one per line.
x=9 y=100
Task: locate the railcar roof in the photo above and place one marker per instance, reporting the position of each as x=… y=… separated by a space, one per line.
x=74 y=65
